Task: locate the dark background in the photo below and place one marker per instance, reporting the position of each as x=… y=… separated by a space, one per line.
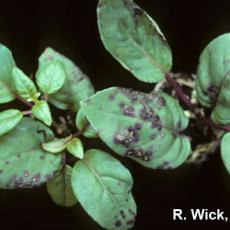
x=70 y=28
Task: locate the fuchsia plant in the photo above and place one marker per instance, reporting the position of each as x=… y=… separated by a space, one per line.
x=36 y=148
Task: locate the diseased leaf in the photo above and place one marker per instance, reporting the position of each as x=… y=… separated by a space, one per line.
x=144 y=127
x=212 y=82
x=24 y=86
x=23 y=162
x=77 y=86
x=57 y=145
x=225 y=150
x=60 y=188
x=9 y=119
x=42 y=112
x=82 y=124
x=6 y=81
x=134 y=39
x=75 y=147
x=51 y=77
x=103 y=185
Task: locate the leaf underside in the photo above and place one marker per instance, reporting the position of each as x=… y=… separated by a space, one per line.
x=60 y=188
x=145 y=127
x=225 y=150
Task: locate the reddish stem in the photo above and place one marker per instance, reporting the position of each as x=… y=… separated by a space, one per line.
x=179 y=92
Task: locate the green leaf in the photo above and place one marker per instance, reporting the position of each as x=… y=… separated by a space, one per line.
x=145 y=127
x=77 y=86
x=51 y=78
x=23 y=163
x=57 y=145
x=83 y=124
x=24 y=86
x=225 y=150
x=6 y=63
x=9 y=119
x=42 y=112
x=134 y=39
x=212 y=83
x=103 y=187
x=75 y=147
x=60 y=188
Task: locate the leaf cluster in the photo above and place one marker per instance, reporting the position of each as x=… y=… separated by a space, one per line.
x=145 y=127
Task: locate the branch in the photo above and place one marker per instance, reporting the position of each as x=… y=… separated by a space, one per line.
x=179 y=92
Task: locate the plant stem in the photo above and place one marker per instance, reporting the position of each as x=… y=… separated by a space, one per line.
x=24 y=101
x=213 y=125
x=27 y=112
x=79 y=132
x=184 y=98
x=179 y=92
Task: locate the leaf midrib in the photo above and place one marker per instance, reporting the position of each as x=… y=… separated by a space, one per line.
x=97 y=176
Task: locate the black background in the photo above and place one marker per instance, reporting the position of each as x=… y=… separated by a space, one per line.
x=70 y=28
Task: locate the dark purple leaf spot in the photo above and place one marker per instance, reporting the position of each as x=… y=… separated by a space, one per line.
x=42 y=157
x=139 y=153
x=130 y=94
x=128 y=111
x=130 y=136
x=118 y=223
x=130 y=222
x=165 y=165
x=36 y=179
x=111 y=97
x=212 y=92
x=161 y=102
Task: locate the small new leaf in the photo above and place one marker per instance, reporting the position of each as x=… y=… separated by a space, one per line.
x=42 y=112
x=103 y=186
x=134 y=39
x=56 y=146
x=145 y=127
x=9 y=119
x=60 y=188
x=225 y=150
x=77 y=85
x=23 y=162
x=75 y=147
x=24 y=86
x=83 y=125
x=6 y=80
x=51 y=78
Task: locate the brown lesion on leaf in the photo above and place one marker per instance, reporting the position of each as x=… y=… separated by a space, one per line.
x=140 y=153
x=130 y=94
x=128 y=136
x=128 y=111
x=212 y=92
x=161 y=101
